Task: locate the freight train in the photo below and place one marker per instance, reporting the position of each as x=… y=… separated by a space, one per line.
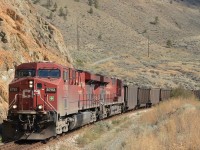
x=47 y=99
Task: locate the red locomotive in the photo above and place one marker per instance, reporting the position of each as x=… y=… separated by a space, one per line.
x=47 y=99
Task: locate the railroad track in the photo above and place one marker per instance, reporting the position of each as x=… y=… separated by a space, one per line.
x=30 y=145
x=20 y=146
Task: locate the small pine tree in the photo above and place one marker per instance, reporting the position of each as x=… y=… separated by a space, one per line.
x=65 y=17
x=90 y=2
x=49 y=3
x=36 y=1
x=66 y=11
x=100 y=37
x=155 y=21
x=169 y=43
x=50 y=16
x=96 y=3
x=91 y=11
x=55 y=6
x=61 y=12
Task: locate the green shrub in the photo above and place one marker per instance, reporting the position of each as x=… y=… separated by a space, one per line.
x=90 y=11
x=90 y=2
x=100 y=127
x=116 y=122
x=169 y=43
x=181 y=92
x=50 y=16
x=155 y=22
x=36 y=1
x=94 y=133
x=61 y=12
x=100 y=37
x=55 y=7
x=79 y=63
x=96 y=3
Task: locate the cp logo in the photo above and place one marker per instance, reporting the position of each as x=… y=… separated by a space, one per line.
x=26 y=94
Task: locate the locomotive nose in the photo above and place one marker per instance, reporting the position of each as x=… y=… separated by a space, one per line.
x=22 y=94
x=26 y=101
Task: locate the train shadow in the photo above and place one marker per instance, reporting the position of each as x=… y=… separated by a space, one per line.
x=192 y=3
x=27 y=142
x=0 y=129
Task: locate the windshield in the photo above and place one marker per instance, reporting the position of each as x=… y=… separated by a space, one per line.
x=25 y=73
x=46 y=73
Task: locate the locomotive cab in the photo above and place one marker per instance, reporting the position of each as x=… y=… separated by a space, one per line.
x=33 y=101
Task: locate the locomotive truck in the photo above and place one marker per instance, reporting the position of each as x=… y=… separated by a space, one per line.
x=47 y=99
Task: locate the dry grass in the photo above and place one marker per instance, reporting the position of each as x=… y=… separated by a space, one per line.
x=93 y=133
x=99 y=129
x=173 y=124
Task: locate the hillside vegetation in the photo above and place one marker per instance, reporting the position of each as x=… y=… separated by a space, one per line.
x=113 y=37
x=171 y=125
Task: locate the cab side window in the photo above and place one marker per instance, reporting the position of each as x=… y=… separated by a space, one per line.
x=65 y=75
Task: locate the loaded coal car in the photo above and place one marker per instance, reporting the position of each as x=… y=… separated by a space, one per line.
x=130 y=97
x=135 y=97
x=165 y=94
x=155 y=96
x=144 y=97
x=47 y=99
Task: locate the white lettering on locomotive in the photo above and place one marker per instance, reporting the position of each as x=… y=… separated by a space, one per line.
x=37 y=92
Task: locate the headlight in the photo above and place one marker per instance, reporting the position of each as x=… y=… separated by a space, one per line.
x=14 y=106
x=40 y=107
x=30 y=85
x=30 y=82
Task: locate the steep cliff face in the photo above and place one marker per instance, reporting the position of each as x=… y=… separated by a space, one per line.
x=26 y=36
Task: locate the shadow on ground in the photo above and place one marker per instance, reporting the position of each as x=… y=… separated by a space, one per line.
x=0 y=129
x=192 y=2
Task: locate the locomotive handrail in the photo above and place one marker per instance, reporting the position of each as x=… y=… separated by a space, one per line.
x=47 y=103
x=14 y=100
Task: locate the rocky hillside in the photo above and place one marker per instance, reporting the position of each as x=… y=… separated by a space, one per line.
x=113 y=38
x=25 y=36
